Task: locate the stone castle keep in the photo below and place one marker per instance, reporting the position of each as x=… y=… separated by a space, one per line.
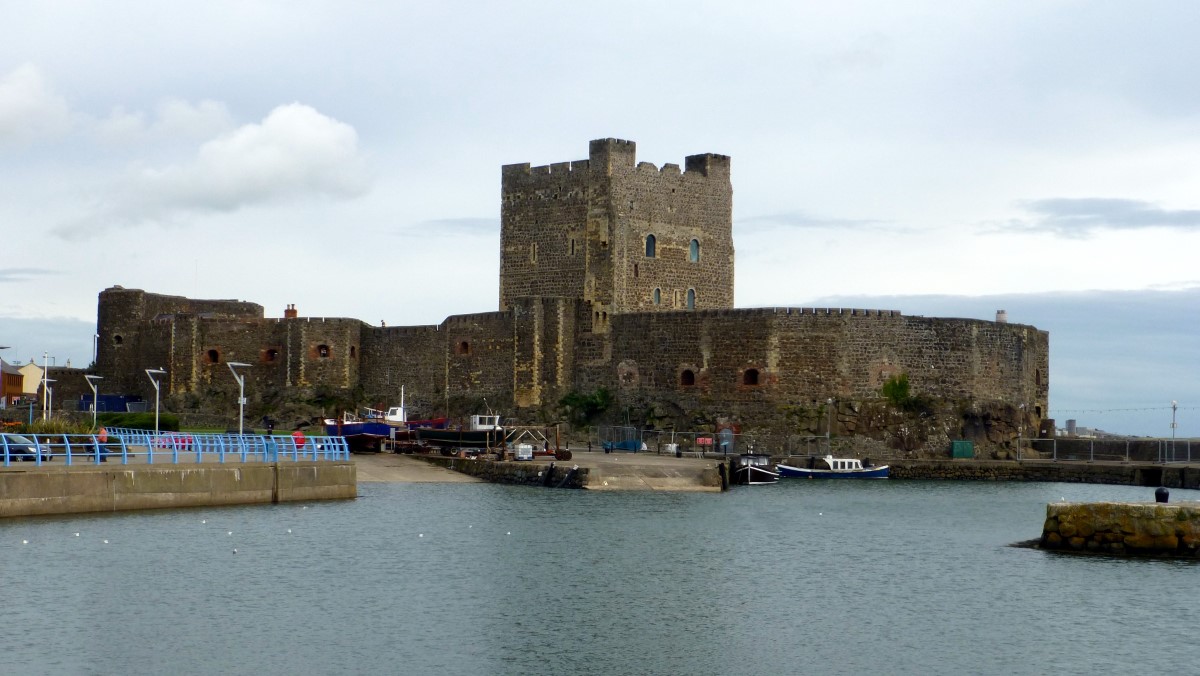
x=614 y=274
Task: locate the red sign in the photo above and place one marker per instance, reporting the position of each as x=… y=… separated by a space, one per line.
x=704 y=441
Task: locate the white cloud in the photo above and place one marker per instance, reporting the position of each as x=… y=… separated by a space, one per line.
x=29 y=107
x=174 y=119
x=295 y=152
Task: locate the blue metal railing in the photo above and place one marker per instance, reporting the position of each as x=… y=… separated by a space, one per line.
x=126 y=445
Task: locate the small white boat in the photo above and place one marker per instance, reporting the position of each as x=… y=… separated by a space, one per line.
x=753 y=469
x=836 y=468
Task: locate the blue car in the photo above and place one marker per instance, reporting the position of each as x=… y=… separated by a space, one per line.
x=21 y=448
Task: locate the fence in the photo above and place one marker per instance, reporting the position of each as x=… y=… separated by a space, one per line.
x=131 y=445
x=1118 y=450
x=725 y=441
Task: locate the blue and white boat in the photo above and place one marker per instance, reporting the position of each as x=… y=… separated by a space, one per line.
x=836 y=468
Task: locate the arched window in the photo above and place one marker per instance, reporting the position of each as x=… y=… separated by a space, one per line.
x=213 y=357
x=750 y=377
x=462 y=347
x=270 y=354
x=694 y=251
x=117 y=339
x=650 y=242
x=687 y=378
x=657 y=295
x=323 y=351
x=691 y=299
x=352 y=351
x=635 y=270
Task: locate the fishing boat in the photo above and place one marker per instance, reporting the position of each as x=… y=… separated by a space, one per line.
x=363 y=434
x=484 y=431
x=753 y=469
x=836 y=468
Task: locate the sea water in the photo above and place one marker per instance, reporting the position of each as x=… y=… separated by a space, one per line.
x=803 y=577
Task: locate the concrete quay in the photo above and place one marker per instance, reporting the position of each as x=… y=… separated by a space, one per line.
x=54 y=488
x=650 y=471
x=592 y=471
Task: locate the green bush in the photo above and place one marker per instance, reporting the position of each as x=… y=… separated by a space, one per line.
x=581 y=409
x=54 y=426
x=897 y=392
x=139 y=421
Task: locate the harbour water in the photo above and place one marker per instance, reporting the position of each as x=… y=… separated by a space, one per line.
x=797 y=578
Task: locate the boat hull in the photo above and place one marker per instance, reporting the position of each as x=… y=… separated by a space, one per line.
x=361 y=436
x=786 y=471
x=752 y=469
x=754 y=476
x=461 y=438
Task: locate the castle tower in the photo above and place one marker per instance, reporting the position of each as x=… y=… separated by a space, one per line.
x=622 y=236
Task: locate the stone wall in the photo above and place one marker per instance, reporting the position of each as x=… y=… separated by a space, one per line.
x=749 y=365
x=1133 y=474
x=519 y=473
x=136 y=331
x=412 y=357
x=1123 y=529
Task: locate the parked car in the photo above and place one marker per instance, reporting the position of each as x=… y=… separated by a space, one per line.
x=175 y=440
x=22 y=448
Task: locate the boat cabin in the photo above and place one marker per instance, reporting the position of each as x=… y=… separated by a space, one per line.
x=485 y=422
x=843 y=464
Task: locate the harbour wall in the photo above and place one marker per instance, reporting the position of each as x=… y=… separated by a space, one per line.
x=1124 y=529
x=1124 y=474
x=86 y=489
x=519 y=473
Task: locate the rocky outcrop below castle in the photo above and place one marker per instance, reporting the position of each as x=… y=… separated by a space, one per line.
x=1123 y=529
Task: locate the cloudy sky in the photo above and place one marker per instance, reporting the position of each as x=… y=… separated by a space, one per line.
x=937 y=158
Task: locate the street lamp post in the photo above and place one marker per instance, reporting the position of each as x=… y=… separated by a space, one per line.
x=45 y=376
x=241 y=381
x=91 y=381
x=1174 y=407
x=1020 y=430
x=829 y=425
x=48 y=401
x=151 y=373
x=3 y=395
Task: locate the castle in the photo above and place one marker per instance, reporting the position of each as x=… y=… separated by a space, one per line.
x=614 y=274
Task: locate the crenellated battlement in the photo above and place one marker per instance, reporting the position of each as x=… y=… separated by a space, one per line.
x=776 y=311
x=458 y=320
x=609 y=156
x=407 y=330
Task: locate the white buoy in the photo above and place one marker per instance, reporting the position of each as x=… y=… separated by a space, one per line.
x=420 y=535
x=510 y=532
x=289 y=530
x=77 y=535
x=24 y=542
x=106 y=542
x=230 y=533
x=235 y=551
x=203 y=520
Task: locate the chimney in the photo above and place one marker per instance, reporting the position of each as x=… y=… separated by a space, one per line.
x=290 y=312
x=1001 y=316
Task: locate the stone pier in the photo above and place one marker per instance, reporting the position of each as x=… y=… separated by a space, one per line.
x=1123 y=528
